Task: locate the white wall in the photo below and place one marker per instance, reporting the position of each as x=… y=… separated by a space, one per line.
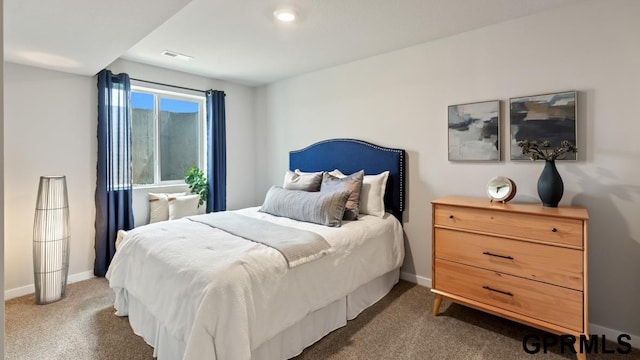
x=51 y=129
x=400 y=99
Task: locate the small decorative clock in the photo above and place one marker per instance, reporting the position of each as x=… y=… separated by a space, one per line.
x=501 y=188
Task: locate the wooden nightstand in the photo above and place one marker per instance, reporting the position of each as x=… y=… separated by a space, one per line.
x=524 y=262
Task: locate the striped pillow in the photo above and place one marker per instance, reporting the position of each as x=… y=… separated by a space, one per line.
x=324 y=208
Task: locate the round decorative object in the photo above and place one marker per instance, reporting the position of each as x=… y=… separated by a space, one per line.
x=501 y=188
x=550 y=185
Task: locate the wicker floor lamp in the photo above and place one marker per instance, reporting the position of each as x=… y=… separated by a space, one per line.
x=51 y=240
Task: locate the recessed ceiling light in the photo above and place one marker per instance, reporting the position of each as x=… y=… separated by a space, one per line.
x=285 y=15
x=175 y=55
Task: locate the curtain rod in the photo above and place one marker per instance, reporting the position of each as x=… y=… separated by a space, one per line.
x=173 y=86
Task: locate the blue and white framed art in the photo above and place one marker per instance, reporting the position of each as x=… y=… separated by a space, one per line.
x=474 y=131
x=543 y=117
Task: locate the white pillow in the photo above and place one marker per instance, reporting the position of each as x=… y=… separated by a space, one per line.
x=181 y=206
x=159 y=206
x=372 y=193
x=300 y=172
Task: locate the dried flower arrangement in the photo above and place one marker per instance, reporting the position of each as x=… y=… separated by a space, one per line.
x=544 y=151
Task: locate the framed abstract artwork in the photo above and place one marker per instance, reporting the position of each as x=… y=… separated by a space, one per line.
x=474 y=131
x=547 y=117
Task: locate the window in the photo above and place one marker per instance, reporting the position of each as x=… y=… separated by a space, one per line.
x=167 y=132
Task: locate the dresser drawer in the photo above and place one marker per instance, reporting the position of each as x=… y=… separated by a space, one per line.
x=553 y=304
x=527 y=226
x=550 y=264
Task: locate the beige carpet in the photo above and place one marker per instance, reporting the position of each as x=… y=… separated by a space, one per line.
x=400 y=326
x=80 y=326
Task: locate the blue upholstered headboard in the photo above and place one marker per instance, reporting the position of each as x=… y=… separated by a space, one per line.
x=349 y=156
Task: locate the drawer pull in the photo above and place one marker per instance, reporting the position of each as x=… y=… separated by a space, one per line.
x=496 y=255
x=498 y=291
x=554 y=230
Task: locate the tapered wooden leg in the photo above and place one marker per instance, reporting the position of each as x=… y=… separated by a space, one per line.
x=579 y=355
x=436 y=304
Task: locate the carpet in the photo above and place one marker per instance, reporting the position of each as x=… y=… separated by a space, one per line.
x=400 y=326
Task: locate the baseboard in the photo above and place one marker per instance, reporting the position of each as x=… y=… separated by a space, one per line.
x=594 y=329
x=612 y=334
x=30 y=289
x=420 y=280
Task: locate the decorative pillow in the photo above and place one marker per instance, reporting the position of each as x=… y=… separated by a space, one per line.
x=315 y=207
x=372 y=193
x=159 y=206
x=119 y=236
x=300 y=172
x=297 y=180
x=353 y=183
x=337 y=173
x=181 y=206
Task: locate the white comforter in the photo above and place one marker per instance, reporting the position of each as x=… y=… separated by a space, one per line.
x=224 y=296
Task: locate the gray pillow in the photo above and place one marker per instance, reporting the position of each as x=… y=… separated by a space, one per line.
x=315 y=207
x=296 y=180
x=353 y=183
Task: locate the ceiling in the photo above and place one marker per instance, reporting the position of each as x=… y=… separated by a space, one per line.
x=237 y=40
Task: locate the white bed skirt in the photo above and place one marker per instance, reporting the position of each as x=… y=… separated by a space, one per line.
x=288 y=343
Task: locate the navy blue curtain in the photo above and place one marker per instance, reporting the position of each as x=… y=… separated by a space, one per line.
x=216 y=152
x=114 y=191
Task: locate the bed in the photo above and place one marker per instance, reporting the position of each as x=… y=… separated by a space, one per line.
x=191 y=297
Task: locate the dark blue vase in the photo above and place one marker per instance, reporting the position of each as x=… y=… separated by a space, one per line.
x=550 y=186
